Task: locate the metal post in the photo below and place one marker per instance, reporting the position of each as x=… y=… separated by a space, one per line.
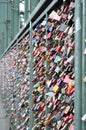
x=4 y=24
x=31 y=75
x=26 y=10
x=31 y=83
x=0 y=45
x=15 y=18
x=2 y=42
x=8 y=22
x=0 y=30
x=12 y=21
x=3 y=28
x=83 y=63
x=47 y=69
x=16 y=83
x=78 y=65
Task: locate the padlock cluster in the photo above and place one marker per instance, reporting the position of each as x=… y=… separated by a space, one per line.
x=53 y=73
x=8 y=83
x=23 y=83
x=15 y=75
x=39 y=78
x=53 y=42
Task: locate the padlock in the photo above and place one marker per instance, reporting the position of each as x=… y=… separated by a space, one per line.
x=56 y=89
x=65 y=9
x=72 y=127
x=66 y=79
x=84 y=79
x=51 y=28
x=53 y=122
x=63 y=27
x=57 y=59
x=49 y=36
x=47 y=122
x=71 y=6
x=84 y=51
x=67 y=110
x=71 y=116
x=60 y=96
x=53 y=78
x=70 y=90
x=39 y=98
x=55 y=16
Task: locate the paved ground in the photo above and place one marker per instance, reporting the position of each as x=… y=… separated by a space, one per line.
x=4 y=121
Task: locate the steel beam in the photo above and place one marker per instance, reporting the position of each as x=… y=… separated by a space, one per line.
x=8 y=22
x=26 y=13
x=3 y=28
x=47 y=69
x=15 y=18
x=0 y=29
x=3 y=10
x=78 y=65
x=83 y=63
x=19 y=34
x=31 y=83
